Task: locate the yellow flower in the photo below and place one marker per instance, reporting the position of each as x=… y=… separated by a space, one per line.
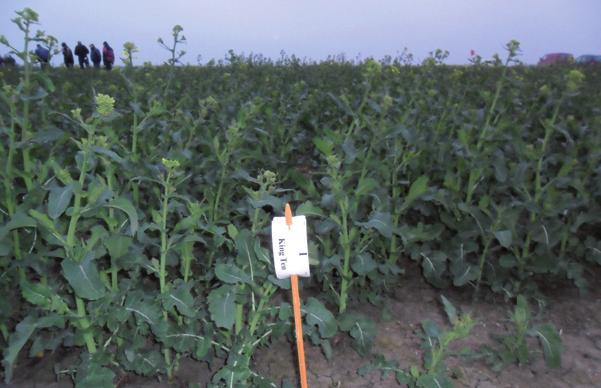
x=574 y=80
x=170 y=163
x=76 y=113
x=105 y=105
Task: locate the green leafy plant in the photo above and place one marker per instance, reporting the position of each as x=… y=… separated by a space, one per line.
x=436 y=346
x=514 y=348
x=129 y=49
x=487 y=176
x=178 y=39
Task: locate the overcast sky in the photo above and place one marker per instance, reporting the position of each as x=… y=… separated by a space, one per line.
x=317 y=28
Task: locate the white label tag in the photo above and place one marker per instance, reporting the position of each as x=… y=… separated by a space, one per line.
x=290 y=249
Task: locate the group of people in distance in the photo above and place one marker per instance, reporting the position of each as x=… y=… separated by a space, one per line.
x=81 y=51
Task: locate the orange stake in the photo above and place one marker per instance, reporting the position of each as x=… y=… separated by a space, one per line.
x=298 y=324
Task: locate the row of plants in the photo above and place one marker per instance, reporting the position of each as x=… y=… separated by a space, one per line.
x=136 y=204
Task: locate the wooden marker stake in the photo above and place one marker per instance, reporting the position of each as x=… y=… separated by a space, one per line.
x=298 y=323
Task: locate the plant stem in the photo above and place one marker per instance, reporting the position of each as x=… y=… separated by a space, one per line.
x=481 y=266
x=164 y=247
x=8 y=182
x=168 y=363
x=493 y=106
x=538 y=189
x=77 y=201
x=217 y=199
x=239 y=313
x=187 y=258
x=259 y=312
x=255 y=222
x=392 y=252
x=134 y=137
x=85 y=325
x=346 y=252
x=25 y=119
x=239 y=316
x=114 y=270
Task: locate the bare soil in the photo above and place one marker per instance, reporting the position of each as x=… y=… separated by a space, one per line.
x=578 y=317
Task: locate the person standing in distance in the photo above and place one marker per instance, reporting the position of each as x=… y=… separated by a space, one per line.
x=43 y=55
x=95 y=56
x=82 y=55
x=67 y=55
x=108 y=56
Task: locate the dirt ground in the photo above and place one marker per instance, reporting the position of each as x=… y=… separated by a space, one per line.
x=398 y=321
x=577 y=317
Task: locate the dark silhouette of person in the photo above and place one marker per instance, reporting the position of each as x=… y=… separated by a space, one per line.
x=67 y=55
x=82 y=55
x=95 y=56
x=9 y=60
x=43 y=55
x=108 y=56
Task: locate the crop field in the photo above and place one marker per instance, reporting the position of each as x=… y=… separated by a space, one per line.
x=136 y=207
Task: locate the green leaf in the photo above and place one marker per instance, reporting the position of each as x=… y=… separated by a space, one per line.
x=326 y=348
x=126 y=206
x=551 y=343
x=521 y=314
x=23 y=331
x=267 y=200
x=504 y=238
x=58 y=200
x=92 y=374
x=363 y=263
x=380 y=221
x=145 y=362
x=350 y=151
x=222 y=306
x=500 y=170
x=431 y=329
x=463 y=272
x=232 y=231
x=181 y=298
x=282 y=283
x=434 y=265
x=184 y=338
x=508 y=261
x=434 y=381
x=318 y=314
x=309 y=209
x=230 y=273
x=262 y=254
x=19 y=220
x=361 y=328
x=420 y=232
x=203 y=346
x=42 y=295
x=245 y=245
x=144 y=310
x=449 y=309
x=366 y=186
x=97 y=233
x=117 y=245
x=324 y=145
x=233 y=376
x=417 y=189
x=41 y=343
x=16 y=341
x=108 y=153
x=45 y=222
x=83 y=277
